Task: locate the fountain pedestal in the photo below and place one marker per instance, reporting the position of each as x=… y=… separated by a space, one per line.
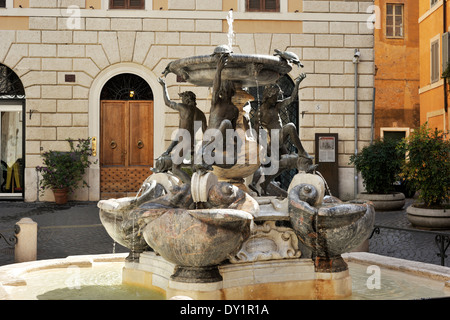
x=294 y=279
x=248 y=157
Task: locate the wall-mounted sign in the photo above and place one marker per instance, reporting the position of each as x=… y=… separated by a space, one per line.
x=326 y=156
x=327 y=149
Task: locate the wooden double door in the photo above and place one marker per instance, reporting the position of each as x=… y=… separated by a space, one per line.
x=126 y=149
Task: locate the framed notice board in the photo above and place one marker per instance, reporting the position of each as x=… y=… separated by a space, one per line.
x=327 y=158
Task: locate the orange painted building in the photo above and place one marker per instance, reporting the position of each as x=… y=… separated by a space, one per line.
x=397 y=106
x=434 y=46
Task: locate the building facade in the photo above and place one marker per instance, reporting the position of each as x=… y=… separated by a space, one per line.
x=74 y=57
x=434 y=27
x=397 y=104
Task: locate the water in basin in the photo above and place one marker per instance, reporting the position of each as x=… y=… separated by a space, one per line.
x=104 y=282
x=101 y=282
x=394 y=285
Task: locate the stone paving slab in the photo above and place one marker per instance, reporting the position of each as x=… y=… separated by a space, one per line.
x=410 y=245
x=75 y=229
x=63 y=230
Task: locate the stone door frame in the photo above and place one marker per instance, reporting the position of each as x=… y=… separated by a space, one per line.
x=94 y=114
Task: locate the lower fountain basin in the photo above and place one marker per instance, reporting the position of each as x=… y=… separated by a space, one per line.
x=113 y=222
x=330 y=230
x=400 y=279
x=197 y=241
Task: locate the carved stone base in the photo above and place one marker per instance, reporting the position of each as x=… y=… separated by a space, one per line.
x=268 y=242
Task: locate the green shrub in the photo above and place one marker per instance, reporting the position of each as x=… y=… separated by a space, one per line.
x=66 y=169
x=428 y=165
x=380 y=164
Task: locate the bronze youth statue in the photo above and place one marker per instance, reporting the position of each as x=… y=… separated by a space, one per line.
x=223 y=114
x=269 y=116
x=189 y=113
x=269 y=119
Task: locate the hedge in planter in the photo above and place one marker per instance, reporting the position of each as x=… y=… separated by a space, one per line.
x=428 y=166
x=65 y=170
x=428 y=170
x=379 y=164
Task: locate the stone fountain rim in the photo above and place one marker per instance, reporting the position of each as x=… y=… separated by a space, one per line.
x=11 y=274
x=272 y=64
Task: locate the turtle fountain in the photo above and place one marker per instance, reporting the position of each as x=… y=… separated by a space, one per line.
x=212 y=236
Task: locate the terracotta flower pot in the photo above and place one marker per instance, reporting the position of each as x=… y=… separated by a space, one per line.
x=61 y=195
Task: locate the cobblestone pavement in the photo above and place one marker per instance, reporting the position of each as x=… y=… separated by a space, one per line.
x=411 y=244
x=63 y=230
x=75 y=229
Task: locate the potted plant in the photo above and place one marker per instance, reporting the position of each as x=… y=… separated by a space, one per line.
x=379 y=164
x=428 y=170
x=63 y=171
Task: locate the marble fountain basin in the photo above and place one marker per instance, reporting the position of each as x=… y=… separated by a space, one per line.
x=55 y=279
x=197 y=241
x=249 y=70
x=330 y=229
x=115 y=214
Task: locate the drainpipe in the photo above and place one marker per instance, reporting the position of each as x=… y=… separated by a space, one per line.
x=356 y=57
x=372 y=133
x=444 y=4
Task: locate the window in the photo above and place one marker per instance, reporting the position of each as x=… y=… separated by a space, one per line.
x=2 y=3
x=127 y=4
x=12 y=101
x=435 y=75
x=10 y=85
x=433 y=2
x=126 y=86
x=394 y=20
x=263 y=5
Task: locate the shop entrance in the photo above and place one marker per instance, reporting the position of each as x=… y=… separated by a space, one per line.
x=12 y=123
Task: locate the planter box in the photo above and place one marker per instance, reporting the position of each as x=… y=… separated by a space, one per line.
x=429 y=218
x=384 y=202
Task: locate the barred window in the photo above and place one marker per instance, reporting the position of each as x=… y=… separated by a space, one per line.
x=127 y=4
x=263 y=5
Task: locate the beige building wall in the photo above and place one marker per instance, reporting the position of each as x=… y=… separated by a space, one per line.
x=103 y=43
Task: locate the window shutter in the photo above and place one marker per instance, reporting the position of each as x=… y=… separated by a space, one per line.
x=445 y=50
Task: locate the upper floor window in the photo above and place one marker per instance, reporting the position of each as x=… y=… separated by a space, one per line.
x=433 y=2
x=2 y=3
x=435 y=74
x=263 y=5
x=127 y=4
x=394 y=20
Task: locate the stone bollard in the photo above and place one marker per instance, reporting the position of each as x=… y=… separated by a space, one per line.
x=26 y=246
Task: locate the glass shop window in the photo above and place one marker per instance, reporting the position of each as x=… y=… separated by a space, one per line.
x=127 y=4
x=11 y=150
x=263 y=5
x=12 y=97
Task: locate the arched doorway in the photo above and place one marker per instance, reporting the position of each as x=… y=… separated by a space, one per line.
x=12 y=124
x=126 y=135
x=289 y=114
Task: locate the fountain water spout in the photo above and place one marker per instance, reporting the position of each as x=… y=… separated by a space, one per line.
x=230 y=35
